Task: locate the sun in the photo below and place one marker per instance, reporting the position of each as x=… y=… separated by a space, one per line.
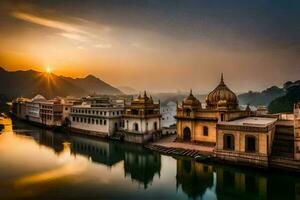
x=48 y=70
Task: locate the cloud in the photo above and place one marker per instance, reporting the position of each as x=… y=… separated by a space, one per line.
x=103 y=46
x=48 y=22
x=74 y=36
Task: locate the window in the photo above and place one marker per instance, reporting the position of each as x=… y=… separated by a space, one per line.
x=100 y=121
x=136 y=127
x=228 y=142
x=205 y=131
x=104 y=122
x=155 y=125
x=250 y=145
x=188 y=112
x=222 y=117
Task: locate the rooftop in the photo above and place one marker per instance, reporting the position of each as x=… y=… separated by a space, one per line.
x=251 y=121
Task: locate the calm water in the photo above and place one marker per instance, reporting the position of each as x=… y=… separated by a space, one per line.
x=40 y=164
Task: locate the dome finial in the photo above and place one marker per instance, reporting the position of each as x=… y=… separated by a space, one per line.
x=222 y=79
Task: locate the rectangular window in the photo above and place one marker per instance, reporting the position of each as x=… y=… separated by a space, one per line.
x=250 y=145
x=205 y=131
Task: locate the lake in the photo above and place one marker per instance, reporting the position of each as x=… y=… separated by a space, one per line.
x=42 y=164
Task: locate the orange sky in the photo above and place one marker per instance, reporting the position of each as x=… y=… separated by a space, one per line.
x=163 y=54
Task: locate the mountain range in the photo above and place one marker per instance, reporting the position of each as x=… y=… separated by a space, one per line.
x=268 y=95
x=29 y=83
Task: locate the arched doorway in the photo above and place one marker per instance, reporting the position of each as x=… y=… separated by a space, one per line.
x=187 y=134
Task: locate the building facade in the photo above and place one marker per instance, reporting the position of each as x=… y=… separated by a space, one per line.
x=51 y=112
x=141 y=120
x=246 y=141
x=19 y=107
x=97 y=117
x=33 y=109
x=197 y=124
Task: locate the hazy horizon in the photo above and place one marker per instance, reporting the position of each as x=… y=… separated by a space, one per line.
x=155 y=45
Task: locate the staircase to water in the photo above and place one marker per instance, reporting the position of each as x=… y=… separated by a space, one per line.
x=283 y=144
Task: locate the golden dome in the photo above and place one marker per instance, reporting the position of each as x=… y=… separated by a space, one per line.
x=222 y=96
x=142 y=99
x=191 y=100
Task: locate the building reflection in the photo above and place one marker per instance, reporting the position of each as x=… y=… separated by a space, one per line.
x=194 y=178
x=49 y=139
x=141 y=165
x=235 y=184
x=203 y=181
x=98 y=151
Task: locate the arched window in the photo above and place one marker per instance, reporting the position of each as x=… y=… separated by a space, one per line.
x=228 y=142
x=188 y=112
x=250 y=145
x=136 y=127
x=205 y=130
x=155 y=125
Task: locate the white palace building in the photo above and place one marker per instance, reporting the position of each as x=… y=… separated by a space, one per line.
x=96 y=116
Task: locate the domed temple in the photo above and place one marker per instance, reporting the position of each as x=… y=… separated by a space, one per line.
x=141 y=120
x=236 y=135
x=222 y=98
x=198 y=124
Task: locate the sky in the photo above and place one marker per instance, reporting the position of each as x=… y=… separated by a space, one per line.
x=165 y=45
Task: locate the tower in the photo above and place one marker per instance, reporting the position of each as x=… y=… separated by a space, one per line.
x=297 y=131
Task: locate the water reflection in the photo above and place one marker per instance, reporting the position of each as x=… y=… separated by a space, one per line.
x=43 y=164
x=195 y=178
x=140 y=164
x=202 y=181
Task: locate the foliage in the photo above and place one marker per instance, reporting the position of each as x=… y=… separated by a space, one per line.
x=286 y=102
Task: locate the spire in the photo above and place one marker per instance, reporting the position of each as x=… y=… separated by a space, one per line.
x=222 y=79
x=191 y=92
x=145 y=94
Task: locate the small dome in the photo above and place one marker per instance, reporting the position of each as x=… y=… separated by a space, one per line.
x=222 y=96
x=191 y=100
x=143 y=99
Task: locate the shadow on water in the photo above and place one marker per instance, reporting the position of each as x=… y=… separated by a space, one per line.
x=193 y=179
